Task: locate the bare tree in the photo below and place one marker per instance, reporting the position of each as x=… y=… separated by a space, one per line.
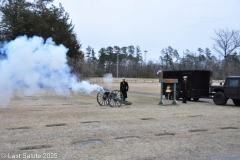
x=81 y=68
x=226 y=41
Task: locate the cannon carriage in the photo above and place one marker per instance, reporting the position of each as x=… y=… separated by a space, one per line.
x=112 y=98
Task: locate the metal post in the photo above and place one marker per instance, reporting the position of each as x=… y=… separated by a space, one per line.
x=161 y=99
x=117 y=65
x=174 y=99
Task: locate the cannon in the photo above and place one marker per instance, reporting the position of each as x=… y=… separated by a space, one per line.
x=112 y=98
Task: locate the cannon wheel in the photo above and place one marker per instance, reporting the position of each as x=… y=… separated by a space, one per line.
x=115 y=98
x=102 y=97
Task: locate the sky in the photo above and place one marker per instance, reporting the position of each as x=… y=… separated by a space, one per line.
x=151 y=24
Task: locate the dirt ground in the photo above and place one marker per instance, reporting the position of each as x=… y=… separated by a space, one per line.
x=47 y=126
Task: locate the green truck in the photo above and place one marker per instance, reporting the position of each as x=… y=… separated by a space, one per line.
x=229 y=90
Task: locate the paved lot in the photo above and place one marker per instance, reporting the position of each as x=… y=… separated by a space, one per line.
x=51 y=126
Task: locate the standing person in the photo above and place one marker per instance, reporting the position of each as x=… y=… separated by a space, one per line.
x=184 y=89
x=124 y=88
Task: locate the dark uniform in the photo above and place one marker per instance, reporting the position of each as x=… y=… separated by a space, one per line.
x=124 y=88
x=184 y=89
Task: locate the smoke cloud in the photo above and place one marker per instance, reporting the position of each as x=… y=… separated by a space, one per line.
x=108 y=79
x=30 y=65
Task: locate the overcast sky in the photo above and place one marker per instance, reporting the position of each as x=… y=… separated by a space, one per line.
x=151 y=24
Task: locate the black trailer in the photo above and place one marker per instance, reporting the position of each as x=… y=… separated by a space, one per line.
x=199 y=82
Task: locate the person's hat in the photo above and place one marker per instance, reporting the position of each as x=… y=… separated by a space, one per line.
x=123 y=78
x=185 y=77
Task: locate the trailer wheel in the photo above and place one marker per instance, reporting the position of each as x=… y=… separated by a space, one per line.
x=195 y=99
x=236 y=102
x=219 y=98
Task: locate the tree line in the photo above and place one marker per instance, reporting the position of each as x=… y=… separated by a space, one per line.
x=38 y=18
x=42 y=18
x=130 y=62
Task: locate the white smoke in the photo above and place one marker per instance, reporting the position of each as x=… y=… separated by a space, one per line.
x=108 y=79
x=31 y=66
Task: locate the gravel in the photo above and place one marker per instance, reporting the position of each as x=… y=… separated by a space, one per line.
x=53 y=127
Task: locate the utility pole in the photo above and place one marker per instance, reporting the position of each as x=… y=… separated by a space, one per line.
x=116 y=51
x=145 y=57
